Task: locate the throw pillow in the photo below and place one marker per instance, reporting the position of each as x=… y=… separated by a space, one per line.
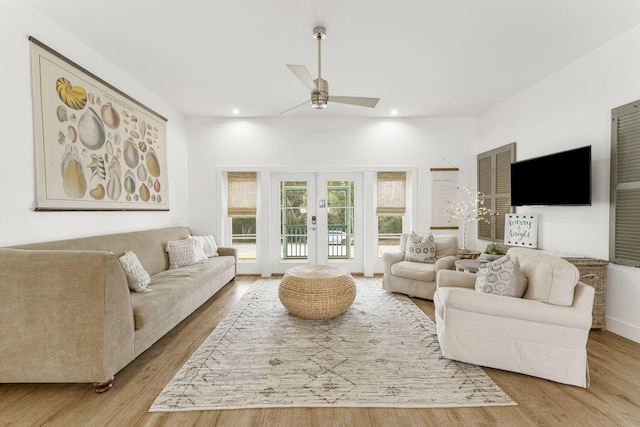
x=184 y=252
x=502 y=277
x=420 y=248
x=137 y=276
x=208 y=245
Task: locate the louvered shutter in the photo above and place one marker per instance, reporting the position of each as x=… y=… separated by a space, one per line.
x=494 y=181
x=625 y=184
x=391 y=193
x=242 y=194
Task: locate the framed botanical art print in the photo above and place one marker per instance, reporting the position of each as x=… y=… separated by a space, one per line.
x=96 y=148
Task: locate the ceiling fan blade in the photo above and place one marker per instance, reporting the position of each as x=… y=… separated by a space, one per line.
x=355 y=100
x=303 y=75
x=292 y=109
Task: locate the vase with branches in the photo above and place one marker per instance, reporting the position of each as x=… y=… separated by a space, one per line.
x=469 y=208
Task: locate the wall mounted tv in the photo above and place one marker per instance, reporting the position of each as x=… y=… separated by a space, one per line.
x=562 y=178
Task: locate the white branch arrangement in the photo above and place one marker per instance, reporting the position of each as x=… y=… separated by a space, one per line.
x=469 y=209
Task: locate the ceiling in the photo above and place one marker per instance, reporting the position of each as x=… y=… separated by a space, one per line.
x=434 y=58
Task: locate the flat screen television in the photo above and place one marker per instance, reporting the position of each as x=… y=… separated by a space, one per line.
x=562 y=178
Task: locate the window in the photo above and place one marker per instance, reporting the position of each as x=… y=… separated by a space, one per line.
x=241 y=208
x=390 y=209
x=624 y=247
x=494 y=180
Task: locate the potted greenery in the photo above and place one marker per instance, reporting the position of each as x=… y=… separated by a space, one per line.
x=492 y=252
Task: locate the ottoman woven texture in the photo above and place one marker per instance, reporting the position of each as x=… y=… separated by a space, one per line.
x=317 y=291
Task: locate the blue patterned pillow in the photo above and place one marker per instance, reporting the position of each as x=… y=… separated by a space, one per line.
x=420 y=248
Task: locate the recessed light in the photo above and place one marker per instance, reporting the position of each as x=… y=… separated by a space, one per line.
x=394 y=112
x=235 y=111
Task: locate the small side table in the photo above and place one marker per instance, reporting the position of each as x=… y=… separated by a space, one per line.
x=467 y=265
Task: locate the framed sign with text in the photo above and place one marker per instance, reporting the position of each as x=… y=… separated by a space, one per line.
x=521 y=230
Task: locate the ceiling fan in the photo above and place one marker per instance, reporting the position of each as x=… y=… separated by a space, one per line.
x=319 y=87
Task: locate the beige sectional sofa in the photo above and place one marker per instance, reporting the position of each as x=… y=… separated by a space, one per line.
x=67 y=312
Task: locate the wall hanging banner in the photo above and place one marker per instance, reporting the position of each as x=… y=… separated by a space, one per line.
x=96 y=147
x=444 y=188
x=521 y=230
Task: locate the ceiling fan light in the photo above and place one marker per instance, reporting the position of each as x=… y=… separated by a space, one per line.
x=319 y=105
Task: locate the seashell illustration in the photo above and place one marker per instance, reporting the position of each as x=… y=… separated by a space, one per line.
x=119 y=153
x=159 y=199
x=150 y=182
x=110 y=116
x=106 y=158
x=84 y=152
x=153 y=165
x=125 y=121
x=97 y=167
x=109 y=147
x=130 y=154
x=134 y=134
x=73 y=117
x=91 y=130
x=128 y=197
x=116 y=138
x=134 y=118
x=92 y=99
x=74 y=96
x=124 y=113
x=156 y=186
x=142 y=146
x=98 y=101
x=153 y=197
x=149 y=141
x=98 y=192
x=72 y=133
x=115 y=167
x=61 y=137
x=145 y=194
x=142 y=173
x=74 y=182
x=114 y=186
x=129 y=183
x=61 y=112
x=142 y=127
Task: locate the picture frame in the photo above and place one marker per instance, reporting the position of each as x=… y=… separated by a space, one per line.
x=521 y=230
x=96 y=148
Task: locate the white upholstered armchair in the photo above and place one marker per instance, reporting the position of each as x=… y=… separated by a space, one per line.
x=543 y=334
x=418 y=279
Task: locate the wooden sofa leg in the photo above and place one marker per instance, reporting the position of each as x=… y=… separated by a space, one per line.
x=105 y=386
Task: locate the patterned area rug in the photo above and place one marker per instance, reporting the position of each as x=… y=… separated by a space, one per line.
x=383 y=352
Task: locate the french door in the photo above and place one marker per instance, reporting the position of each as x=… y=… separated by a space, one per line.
x=318 y=220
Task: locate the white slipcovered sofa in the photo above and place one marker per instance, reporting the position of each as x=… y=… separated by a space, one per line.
x=418 y=279
x=543 y=334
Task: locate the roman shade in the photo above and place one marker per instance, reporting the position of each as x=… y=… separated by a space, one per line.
x=242 y=192
x=391 y=193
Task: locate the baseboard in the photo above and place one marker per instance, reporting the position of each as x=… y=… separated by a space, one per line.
x=623 y=329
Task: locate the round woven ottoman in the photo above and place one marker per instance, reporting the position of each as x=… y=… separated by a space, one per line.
x=317 y=291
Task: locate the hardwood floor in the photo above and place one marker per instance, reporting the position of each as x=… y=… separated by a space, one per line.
x=612 y=400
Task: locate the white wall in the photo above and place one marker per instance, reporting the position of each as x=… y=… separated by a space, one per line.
x=324 y=145
x=19 y=223
x=572 y=108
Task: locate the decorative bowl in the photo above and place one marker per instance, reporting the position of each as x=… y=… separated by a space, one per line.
x=490 y=257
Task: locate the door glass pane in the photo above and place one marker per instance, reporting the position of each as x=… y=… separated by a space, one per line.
x=389 y=231
x=243 y=237
x=340 y=217
x=293 y=220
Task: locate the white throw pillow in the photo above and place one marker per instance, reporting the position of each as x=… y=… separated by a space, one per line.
x=184 y=252
x=420 y=248
x=208 y=245
x=137 y=276
x=502 y=277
